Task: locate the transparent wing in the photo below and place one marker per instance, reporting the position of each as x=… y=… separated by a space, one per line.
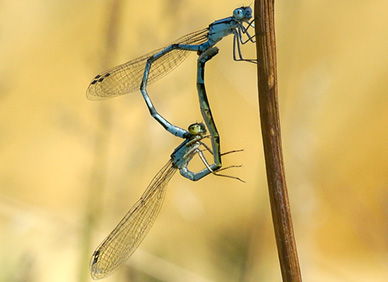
x=127 y=77
x=128 y=234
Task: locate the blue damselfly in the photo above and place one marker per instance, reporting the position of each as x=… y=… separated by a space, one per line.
x=138 y=73
x=128 y=234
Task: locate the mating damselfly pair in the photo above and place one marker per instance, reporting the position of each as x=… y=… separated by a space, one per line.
x=136 y=74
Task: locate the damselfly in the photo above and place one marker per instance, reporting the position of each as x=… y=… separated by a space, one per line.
x=136 y=74
x=128 y=234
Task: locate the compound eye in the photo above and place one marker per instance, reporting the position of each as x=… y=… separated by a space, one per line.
x=194 y=129
x=238 y=13
x=197 y=128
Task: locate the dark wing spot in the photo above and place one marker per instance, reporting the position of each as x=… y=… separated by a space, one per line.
x=94 y=82
x=97 y=76
x=96 y=255
x=107 y=74
x=101 y=79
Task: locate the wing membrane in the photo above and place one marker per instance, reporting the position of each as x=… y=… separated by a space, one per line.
x=128 y=234
x=127 y=77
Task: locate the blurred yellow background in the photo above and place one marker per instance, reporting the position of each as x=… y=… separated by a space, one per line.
x=71 y=168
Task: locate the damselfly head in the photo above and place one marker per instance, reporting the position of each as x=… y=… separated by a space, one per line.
x=243 y=13
x=197 y=129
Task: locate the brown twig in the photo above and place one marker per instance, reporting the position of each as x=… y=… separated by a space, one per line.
x=270 y=126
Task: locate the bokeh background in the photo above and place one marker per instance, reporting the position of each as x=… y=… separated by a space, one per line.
x=71 y=168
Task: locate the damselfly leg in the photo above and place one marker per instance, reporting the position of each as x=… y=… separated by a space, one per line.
x=238 y=41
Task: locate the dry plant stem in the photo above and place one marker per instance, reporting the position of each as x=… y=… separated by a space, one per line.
x=270 y=126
